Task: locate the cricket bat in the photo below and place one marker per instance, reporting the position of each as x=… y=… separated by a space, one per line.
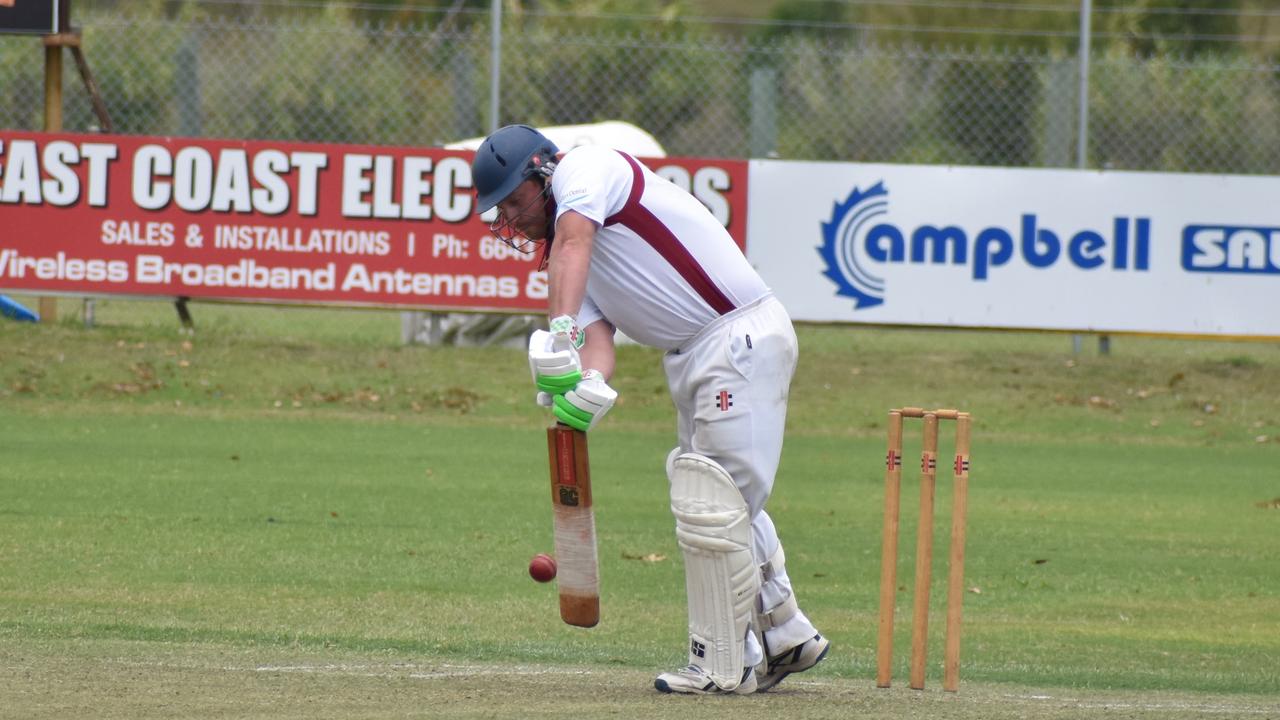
x=577 y=574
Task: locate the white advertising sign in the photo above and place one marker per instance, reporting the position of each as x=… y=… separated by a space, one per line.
x=1116 y=252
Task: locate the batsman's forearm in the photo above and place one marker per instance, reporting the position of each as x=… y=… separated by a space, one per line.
x=570 y=261
x=567 y=278
x=598 y=352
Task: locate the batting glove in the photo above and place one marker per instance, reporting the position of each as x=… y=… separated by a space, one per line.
x=583 y=406
x=565 y=333
x=554 y=363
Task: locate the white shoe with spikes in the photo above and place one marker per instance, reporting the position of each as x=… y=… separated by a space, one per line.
x=793 y=660
x=693 y=680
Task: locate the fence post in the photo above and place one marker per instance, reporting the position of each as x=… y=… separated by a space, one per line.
x=495 y=63
x=186 y=84
x=467 y=101
x=764 y=113
x=1082 y=126
x=52 y=123
x=1059 y=133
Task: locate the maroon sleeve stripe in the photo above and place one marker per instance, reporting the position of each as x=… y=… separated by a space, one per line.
x=644 y=223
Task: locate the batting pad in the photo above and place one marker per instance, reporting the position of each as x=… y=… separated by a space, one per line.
x=713 y=529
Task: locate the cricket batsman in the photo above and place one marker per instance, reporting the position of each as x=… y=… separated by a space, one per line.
x=627 y=250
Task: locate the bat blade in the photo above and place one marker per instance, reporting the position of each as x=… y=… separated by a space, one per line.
x=578 y=576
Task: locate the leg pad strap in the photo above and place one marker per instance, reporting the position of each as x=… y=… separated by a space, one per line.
x=783 y=611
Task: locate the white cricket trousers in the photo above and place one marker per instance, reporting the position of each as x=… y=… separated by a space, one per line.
x=730 y=385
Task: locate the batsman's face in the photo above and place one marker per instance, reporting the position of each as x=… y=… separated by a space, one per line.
x=523 y=214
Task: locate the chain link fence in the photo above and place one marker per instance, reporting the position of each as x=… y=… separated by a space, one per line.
x=326 y=74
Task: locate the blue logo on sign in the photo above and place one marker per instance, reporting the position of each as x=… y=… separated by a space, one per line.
x=840 y=246
x=854 y=248
x=1231 y=249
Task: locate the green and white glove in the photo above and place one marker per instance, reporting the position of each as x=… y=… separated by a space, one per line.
x=583 y=406
x=565 y=333
x=554 y=360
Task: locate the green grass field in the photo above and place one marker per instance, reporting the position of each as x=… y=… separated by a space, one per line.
x=288 y=514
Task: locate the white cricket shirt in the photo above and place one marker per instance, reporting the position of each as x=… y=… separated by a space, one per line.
x=662 y=266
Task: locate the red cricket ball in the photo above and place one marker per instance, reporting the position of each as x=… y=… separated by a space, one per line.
x=542 y=567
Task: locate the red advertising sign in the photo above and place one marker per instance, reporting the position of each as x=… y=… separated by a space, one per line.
x=275 y=221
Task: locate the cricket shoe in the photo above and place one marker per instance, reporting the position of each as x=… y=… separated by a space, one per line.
x=797 y=659
x=693 y=680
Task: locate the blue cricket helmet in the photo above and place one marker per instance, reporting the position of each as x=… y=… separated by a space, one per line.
x=507 y=158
